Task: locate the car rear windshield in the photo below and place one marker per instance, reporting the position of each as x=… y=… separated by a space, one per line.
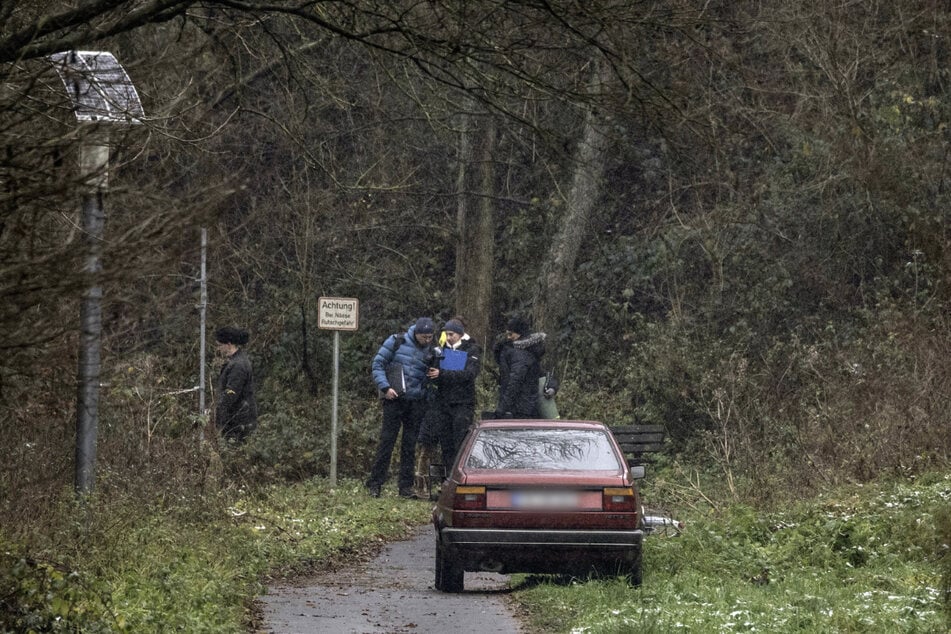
x=576 y=449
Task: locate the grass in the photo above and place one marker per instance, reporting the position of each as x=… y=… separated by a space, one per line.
x=859 y=560
x=188 y=565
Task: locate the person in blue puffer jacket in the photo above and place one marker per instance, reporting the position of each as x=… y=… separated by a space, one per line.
x=401 y=370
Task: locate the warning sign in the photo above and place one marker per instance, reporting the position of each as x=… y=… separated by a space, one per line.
x=338 y=313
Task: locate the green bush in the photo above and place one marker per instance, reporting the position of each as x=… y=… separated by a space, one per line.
x=40 y=596
x=185 y=563
x=292 y=441
x=858 y=559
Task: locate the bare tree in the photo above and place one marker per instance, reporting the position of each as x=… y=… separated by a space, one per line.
x=552 y=296
x=475 y=222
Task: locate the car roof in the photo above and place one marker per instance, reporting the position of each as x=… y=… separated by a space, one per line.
x=527 y=423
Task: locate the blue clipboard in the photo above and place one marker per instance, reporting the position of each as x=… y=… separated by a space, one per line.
x=453 y=359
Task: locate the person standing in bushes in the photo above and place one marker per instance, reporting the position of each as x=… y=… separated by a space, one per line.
x=519 y=359
x=236 y=414
x=449 y=417
x=401 y=370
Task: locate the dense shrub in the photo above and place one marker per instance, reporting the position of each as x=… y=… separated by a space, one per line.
x=37 y=596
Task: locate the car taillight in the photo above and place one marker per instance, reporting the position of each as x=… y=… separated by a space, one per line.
x=619 y=499
x=469 y=498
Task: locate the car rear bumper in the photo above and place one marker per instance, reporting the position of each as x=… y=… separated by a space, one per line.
x=541 y=551
x=463 y=537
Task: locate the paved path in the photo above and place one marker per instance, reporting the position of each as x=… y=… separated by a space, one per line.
x=392 y=594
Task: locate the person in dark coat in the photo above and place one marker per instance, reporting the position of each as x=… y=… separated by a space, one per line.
x=236 y=414
x=401 y=371
x=451 y=413
x=519 y=359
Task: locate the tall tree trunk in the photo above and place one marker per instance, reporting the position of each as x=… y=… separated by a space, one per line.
x=307 y=368
x=552 y=290
x=475 y=223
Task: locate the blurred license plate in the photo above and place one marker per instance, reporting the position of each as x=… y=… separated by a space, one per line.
x=545 y=499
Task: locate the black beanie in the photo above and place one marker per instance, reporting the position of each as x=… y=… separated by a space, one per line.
x=230 y=334
x=454 y=325
x=424 y=326
x=519 y=326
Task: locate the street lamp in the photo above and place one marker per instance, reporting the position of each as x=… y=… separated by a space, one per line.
x=102 y=95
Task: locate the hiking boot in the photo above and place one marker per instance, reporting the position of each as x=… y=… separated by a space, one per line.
x=407 y=493
x=374 y=490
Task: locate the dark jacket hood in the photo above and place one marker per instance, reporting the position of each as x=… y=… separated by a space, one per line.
x=534 y=343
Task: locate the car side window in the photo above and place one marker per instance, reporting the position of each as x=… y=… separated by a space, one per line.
x=557 y=449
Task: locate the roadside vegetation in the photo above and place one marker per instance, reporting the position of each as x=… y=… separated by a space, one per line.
x=187 y=564
x=870 y=558
x=856 y=559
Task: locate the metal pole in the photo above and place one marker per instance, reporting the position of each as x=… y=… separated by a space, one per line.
x=93 y=162
x=202 y=306
x=333 y=415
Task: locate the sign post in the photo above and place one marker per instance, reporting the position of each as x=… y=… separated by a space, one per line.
x=336 y=313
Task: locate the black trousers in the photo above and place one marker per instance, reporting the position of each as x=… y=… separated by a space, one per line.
x=398 y=414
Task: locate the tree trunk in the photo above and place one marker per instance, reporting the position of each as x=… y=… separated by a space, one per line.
x=554 y=282
x=475 y=224
x=308 y=370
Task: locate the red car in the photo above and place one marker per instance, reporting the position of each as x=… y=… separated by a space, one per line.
x=538 y=496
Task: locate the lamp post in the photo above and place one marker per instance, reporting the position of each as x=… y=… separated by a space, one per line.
x=102 y=95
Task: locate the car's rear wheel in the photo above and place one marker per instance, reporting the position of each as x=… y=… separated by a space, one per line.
x=449 y=574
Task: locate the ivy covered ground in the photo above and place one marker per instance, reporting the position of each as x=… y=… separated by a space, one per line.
x=857 y=559
x=860 y=559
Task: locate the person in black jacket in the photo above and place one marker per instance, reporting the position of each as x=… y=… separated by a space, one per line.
x=448 y=420
x=519 y=359
x=237 y=412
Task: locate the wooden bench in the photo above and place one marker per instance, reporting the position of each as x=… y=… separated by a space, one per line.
x=637 y=441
